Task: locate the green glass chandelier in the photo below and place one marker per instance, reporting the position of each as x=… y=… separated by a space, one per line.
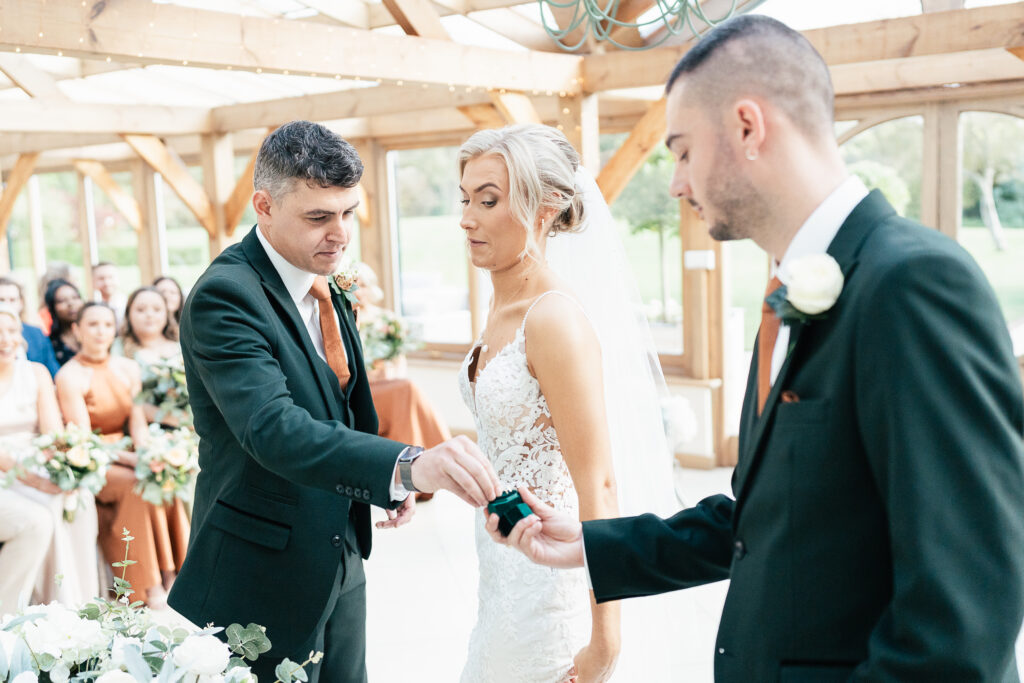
x=597 y=18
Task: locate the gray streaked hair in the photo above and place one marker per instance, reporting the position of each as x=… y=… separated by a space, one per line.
x=541 y=171
x=302 y=150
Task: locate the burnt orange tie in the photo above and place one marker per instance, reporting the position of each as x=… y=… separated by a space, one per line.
x=334 y=349
x=766 y=345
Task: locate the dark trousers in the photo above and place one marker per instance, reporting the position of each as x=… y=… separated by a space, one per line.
x=340 y=635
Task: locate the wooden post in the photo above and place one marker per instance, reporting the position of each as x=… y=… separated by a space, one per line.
x=578 y=119
x=950 y=170
x=152 y=251
x=375 y=234
x=35 y=219
x=86 y=233
x=704 y=315
x=930 y=167
x=219 y=182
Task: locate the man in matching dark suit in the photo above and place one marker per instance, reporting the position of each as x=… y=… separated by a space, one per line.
x=289 y=451
x=878 y=528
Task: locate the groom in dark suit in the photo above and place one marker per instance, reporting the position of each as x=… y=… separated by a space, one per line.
x=878 y=528
x=289 y=451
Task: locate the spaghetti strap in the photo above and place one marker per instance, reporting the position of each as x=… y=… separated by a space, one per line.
x=522 y=327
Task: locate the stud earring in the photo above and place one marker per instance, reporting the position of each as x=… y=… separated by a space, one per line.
x=751 y=155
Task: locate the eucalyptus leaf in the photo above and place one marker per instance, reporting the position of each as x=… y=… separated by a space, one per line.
x=135 y=663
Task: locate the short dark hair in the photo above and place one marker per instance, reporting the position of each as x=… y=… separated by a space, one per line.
x=759 y=55
x=303 y=150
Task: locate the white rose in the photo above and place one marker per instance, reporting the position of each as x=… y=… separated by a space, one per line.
x=176 y=457
x=78 y=456
x=204 y=655
x=813 y=283
x=26 y=677
x=117 y=648
x=116 y=676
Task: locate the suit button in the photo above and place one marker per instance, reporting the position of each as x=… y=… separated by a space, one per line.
x=340 y=489
x=366 y=494
x=336 y=540
x=739 y=550
x=348 y=490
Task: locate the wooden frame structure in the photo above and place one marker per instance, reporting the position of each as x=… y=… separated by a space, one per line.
x=426 y=89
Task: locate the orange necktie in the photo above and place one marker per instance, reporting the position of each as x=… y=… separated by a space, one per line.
x=766 y=345
x=334 y=349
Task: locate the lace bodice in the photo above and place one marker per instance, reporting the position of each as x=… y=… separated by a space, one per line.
x=531 y=620
x=513 y=422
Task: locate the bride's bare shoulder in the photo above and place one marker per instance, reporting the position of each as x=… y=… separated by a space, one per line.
x=557 y=324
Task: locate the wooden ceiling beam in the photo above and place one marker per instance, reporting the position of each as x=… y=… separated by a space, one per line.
x=628 y=159
x=124 y=202
x=344 y=104
x=34 y=81
x=81 y=117
x=16 y=180
x=180 y=35
x=981 y=28
x=417 y=18
x=164 y=161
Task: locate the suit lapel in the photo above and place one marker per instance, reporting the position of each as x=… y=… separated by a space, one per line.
x=277 y=292
x=844 y=248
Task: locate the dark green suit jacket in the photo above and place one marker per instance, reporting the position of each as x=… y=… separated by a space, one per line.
x=290 y=462
x=878 y=528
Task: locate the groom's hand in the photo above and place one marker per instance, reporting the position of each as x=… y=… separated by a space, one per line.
x=459 y=466
x=546 y=537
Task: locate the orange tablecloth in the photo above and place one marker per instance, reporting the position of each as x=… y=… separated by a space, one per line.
x=405 y=414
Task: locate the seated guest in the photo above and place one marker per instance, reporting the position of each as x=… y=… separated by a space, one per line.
x=97 y=392
x=150 y=335
x=26 y=527
x=55 y=270
x=38 y=348
x=171 y=290
x=28 y=406
x=107 y=288
x=63 y=302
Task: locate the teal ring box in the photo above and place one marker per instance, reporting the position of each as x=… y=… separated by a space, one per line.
x=510 y=508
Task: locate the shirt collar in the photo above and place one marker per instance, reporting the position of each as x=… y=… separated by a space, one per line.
x=821 y=227
x=296 y=280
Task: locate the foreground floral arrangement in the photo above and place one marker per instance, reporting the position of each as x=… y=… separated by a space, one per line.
x=163 y=385
x=119 y=642
x=74 y=460
x=167 y=465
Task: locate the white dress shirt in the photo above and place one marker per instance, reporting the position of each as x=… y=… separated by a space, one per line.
x=814 y=237
x=298 y=282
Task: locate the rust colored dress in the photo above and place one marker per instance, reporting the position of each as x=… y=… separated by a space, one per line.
x=160 y=532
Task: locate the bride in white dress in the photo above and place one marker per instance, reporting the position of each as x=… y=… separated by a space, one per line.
x=545 y=384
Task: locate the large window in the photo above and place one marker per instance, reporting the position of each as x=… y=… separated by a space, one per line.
x=648 y=221
x=992 y=227
x=889 y=157
x=433 y=270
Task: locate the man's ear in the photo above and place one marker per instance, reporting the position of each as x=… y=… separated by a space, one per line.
x=749 y=120
x=262 y=202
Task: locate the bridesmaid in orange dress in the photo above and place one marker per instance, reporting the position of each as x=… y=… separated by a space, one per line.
x=96 y=391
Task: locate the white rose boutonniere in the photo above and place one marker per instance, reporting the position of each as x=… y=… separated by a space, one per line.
x=814 y=285
x=344 y=282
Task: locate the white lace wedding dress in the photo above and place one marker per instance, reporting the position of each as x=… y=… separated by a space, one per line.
x=531 y=620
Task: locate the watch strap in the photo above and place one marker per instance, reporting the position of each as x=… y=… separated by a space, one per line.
x=405 y=461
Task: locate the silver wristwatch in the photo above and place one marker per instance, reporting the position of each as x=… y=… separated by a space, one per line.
x=405 y=461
